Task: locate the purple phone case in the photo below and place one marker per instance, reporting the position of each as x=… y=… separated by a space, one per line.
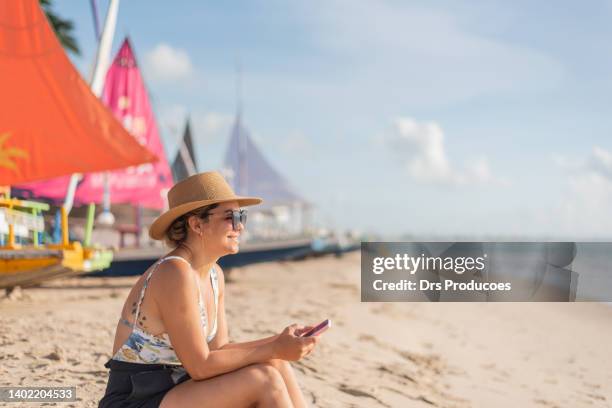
x=318 y=328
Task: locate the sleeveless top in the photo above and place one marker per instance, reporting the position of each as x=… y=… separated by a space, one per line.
x=146 y=348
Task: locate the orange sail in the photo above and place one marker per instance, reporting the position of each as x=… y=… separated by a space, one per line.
x=51 y=124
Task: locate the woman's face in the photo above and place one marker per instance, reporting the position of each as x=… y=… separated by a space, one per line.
x=217 y=232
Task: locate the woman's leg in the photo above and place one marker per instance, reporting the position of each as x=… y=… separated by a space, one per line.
x=284 y=367
x=259 y=385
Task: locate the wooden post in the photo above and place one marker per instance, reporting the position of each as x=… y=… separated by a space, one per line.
x=91 y=211
x=65 y=241
x=138 y=224
x=35 y=232
x=11 y=227
x=11 y=236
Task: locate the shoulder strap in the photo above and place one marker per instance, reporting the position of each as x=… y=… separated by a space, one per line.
x=215 y=285
x=175 y=257
x=214 y=279
x=195 y=276
x=146 y=283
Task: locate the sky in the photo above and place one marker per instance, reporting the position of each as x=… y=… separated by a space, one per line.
x=444 y=118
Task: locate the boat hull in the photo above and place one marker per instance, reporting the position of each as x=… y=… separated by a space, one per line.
x=135 y=262
x=30 y=267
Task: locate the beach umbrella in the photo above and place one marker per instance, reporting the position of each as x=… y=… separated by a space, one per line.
x=51 y=124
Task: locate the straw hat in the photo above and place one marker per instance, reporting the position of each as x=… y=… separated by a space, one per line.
x=194 y=192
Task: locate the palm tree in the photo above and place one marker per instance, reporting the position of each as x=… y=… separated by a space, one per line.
x=63 y=28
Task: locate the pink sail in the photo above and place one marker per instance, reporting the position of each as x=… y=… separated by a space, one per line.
x=126 y=96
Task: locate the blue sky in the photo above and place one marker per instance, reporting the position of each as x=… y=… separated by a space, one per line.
x=465 y=118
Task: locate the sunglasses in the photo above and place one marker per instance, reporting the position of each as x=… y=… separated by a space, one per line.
x=238 y=217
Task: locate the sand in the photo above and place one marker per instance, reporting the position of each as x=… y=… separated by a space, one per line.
x=376 y=355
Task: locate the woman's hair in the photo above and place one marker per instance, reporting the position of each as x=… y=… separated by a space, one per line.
x=176 y=234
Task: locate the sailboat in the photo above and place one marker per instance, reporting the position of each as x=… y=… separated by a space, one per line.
x=135 y=189
x=184 y=164
x=50 y=122
x=50 y=125
x=146 y=184
x=283 y=213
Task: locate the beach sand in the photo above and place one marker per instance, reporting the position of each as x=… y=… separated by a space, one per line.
x=375 y=355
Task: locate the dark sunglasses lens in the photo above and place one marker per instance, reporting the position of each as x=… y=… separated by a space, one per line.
x=238 y=217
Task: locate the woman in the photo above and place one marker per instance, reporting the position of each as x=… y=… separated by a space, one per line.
x=171 y=344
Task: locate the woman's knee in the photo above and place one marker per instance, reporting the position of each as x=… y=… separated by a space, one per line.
x=267 y=375
x=280 y=365
x=258 y=383
x=272 y=390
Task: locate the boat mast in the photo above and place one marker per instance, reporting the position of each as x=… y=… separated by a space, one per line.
x=104 y=48
x=96 y=20
x=102 y=61
x=242 y=185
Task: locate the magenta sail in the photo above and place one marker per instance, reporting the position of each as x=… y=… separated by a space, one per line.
x=126 y=96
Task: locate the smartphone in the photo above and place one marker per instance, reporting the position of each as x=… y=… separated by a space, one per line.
x=318 y=329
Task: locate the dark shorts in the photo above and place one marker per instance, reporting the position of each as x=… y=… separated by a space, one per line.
x=132 y=385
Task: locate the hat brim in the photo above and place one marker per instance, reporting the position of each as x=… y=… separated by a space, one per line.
x=158 y=228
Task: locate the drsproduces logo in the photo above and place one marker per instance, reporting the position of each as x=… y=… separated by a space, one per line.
x=486 y=271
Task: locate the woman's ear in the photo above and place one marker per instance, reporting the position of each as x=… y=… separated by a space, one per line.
x=194 y=224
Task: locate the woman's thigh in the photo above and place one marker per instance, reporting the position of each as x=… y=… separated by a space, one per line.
x=240 y=388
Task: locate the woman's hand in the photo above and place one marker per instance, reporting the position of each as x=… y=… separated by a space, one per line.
x=290 y=346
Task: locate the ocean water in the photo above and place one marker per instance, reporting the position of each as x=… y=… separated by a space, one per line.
x=593 y=265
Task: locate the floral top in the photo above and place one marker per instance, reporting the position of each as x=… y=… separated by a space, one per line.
x=145 y=348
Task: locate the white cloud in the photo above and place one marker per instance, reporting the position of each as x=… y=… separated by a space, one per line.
x=420 y=147
x=424 y=143
x=599 y=162
x=585 y=209
x=479 y=171
x=165 y=63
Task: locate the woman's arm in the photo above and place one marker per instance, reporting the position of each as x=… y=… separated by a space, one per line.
x=249 y=344
x=181 y=317
x=285 y=346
